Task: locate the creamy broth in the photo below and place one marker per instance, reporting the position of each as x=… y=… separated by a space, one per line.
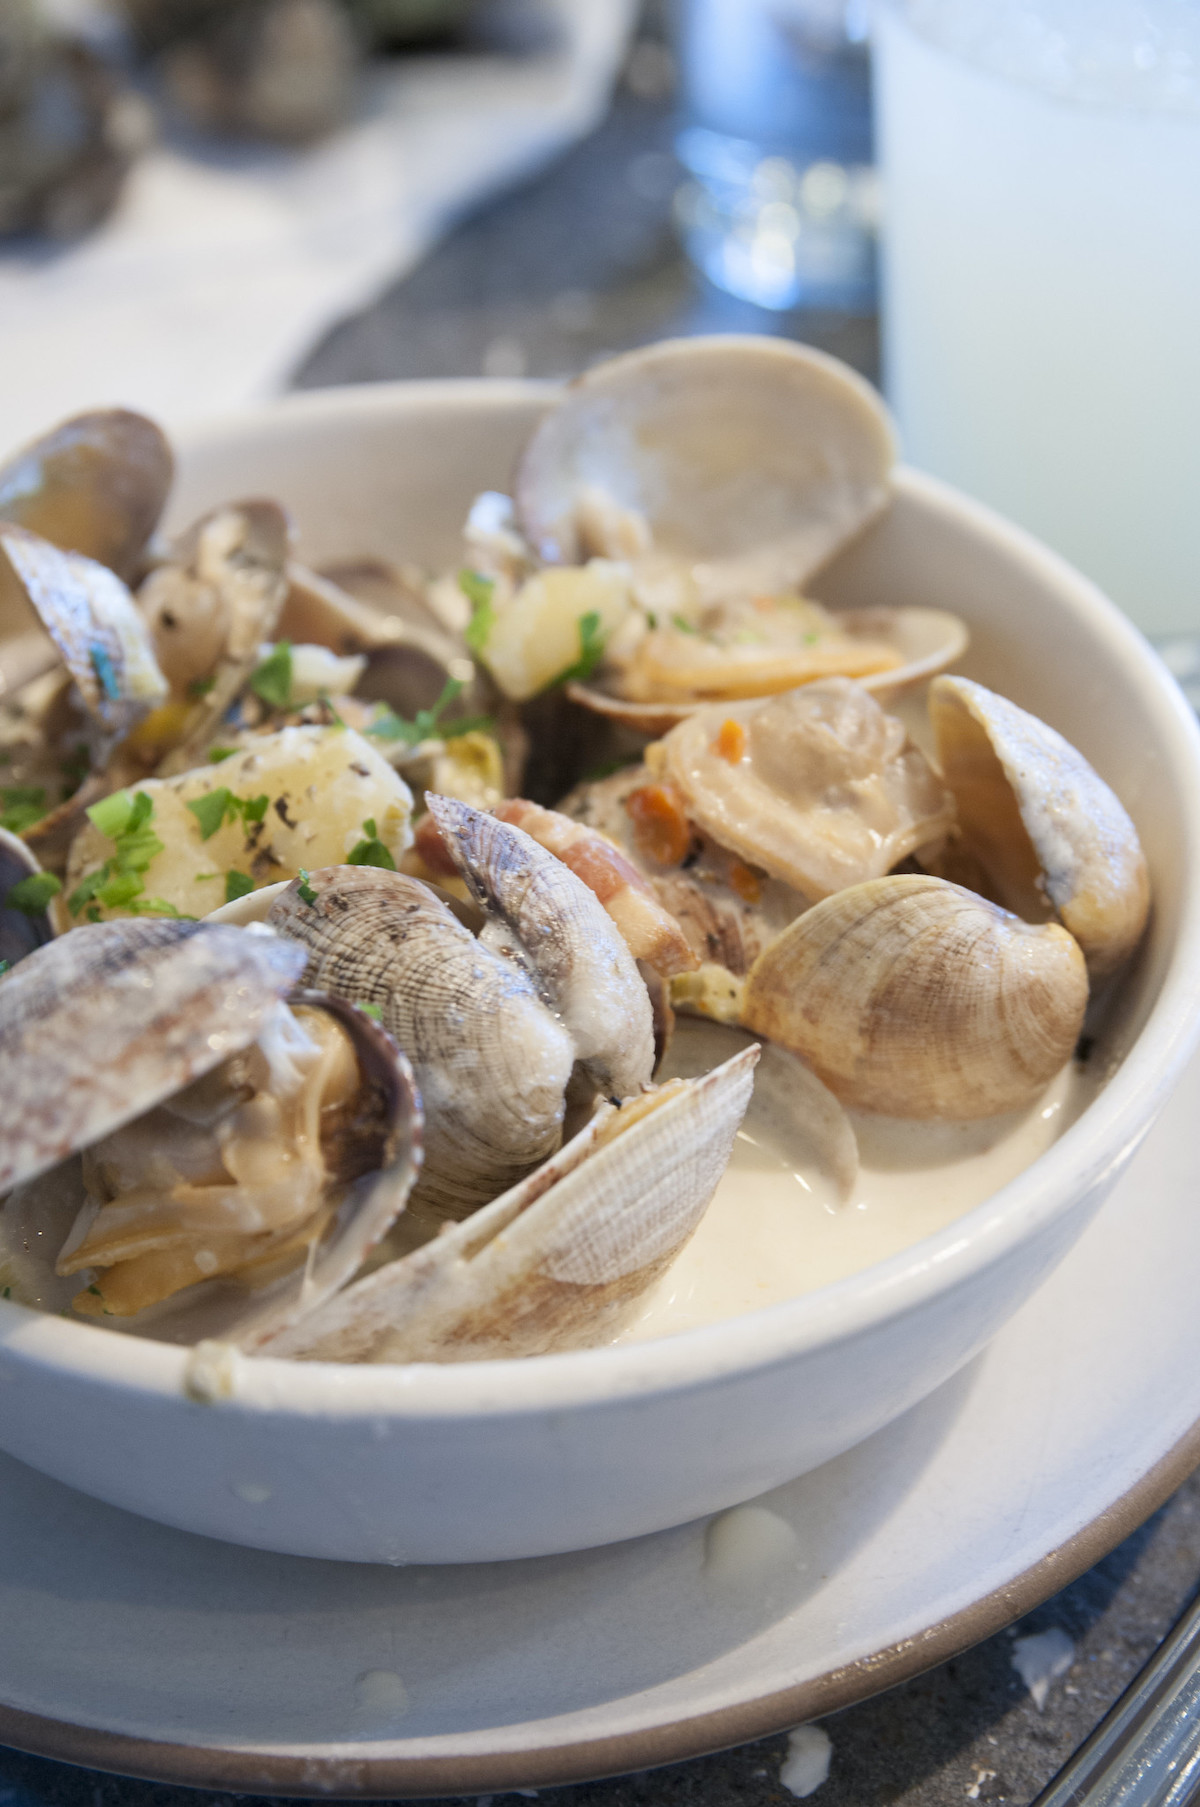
x=776 y=1229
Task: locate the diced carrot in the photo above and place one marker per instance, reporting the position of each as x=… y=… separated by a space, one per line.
x=745 y=882
x=731 y=740
x=660 y=825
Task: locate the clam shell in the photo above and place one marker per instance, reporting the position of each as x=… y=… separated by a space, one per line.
x=1048 y=831
x=239 y=554
x=91 y=619
x=926 y=641
x=96 y=484
x=103 y=1024
x=557 y=1262
x=750 y=461
x=491 y=1061
x=914 y=998
x=828 y=791
x=544 y=915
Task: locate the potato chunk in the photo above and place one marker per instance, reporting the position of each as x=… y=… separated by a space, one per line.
x=326 y=791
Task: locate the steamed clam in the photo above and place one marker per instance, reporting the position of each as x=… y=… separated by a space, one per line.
x=181 y=1149
x=1049 y=832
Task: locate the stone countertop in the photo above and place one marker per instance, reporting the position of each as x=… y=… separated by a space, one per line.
x=580 y=263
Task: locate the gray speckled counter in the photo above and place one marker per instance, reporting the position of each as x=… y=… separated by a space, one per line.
x=580 y=263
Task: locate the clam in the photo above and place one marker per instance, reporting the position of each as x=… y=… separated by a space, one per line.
x=818 y=786
x=558 y=1261
x=743 y=462
x=209 y=609
x=1049 y=833
x=764 y=646
x=96 y=485
x=492 y=1062
x=541 y=915
x=912 y=997
x=649 y=931
x=64 y=605
x=192 y=1157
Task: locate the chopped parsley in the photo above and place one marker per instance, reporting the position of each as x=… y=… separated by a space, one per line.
x=32 y=894
x=215 y=808
x=684 y=625
x=371 y=1010
x=217 y=754
x=124 y=819
x=427 y=723
x=199 y=688
x=371 y=850
x=272 y=680
x=21 y=805
x=478 y=591
x=592 y=640
x=237 y=884
x=5 y=967
x=306 y=892
x=102 y=665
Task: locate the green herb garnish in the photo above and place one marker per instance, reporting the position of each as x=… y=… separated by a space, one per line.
x=478 y=591
x=217 y=754
x=237 y=884
x=427 y=723
x=158 y=906
x=32 y=894
x=272 y=681
x=124 y=819
x=199 y=688
x=215 y=808
x=371 y=850
x=21 y=805
x=684 y=625
x=371 y=1010
x=592 y=640
x=304 y=889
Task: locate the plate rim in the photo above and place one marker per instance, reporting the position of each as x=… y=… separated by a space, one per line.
x=246 y=1770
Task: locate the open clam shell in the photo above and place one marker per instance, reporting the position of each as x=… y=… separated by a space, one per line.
x=1048 y=831
x=914 y=998
x=819 y=787
x=63 y=605
x=104 y=1023
x=209 y=610
x=746 y=461
x=557 y=1262
x=924 y=641
x=491 y=1061
x=96 y=485
x=541 y=914
x=120 y=1017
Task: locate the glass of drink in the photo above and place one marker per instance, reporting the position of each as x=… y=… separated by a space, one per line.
x=776 y=135
x=1041 y=273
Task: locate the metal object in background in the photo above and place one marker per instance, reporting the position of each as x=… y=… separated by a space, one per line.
x=775 y=131
x=1146 y=1751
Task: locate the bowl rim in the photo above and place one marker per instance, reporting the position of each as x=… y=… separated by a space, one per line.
x=598 y=1378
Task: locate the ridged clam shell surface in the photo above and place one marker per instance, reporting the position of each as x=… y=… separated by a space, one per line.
x=558 y=1261
x=491 y=1062
x=100 y=1026
x=914 y=998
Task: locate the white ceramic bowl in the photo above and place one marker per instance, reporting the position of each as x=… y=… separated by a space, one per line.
x=504 y=1459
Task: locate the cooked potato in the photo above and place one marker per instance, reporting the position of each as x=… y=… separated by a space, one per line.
x=539 y=634
x=301 y=798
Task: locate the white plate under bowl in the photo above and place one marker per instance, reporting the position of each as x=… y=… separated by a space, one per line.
x=131 y=1647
